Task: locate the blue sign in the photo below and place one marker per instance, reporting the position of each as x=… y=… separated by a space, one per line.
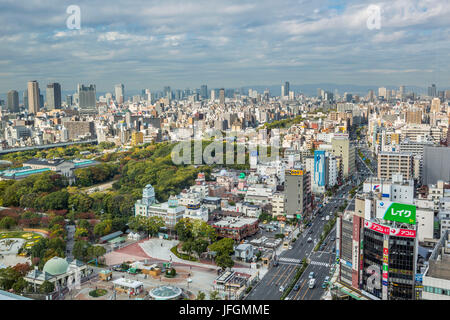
x=419 y=277
x=385 y=283
x=319 y=167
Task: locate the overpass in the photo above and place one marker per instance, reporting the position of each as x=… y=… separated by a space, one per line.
x=48 y=146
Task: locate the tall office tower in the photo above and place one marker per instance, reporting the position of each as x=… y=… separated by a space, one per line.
x=222 y=96
x=167 y=92
x=204 y=91
x=33 y=97
x=283 y=91
x=319 y=93
x=432 y=90
x=390 y=163
x=119 y=91
x=12 y=105
x=382 y=92
x=297 y=192
x=53 y=96
x=213 y=95
x=371 y=96
x=148 y=95
x=435 y=105
x=286 y=88
x=25 y=99
x=342 y=147
x=69 y=100
x=447 y=94
x=86 y=97
x=348 y=97
x=402 y=92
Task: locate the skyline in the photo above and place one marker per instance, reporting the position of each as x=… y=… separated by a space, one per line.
x=238 y=43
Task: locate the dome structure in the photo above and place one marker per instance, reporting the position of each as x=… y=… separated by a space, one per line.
x=56 y=266
x=165 y=293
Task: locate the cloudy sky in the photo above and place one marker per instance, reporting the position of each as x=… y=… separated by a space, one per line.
x=226 y=43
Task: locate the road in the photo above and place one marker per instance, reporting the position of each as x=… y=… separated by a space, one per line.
x=280 y=277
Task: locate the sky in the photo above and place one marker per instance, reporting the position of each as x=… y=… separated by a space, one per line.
x=226 y=43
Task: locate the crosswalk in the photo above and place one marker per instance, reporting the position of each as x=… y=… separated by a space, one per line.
x=291 y=260
x=318 y=263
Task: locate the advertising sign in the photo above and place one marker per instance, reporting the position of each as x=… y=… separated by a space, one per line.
x=393 y=211
x=319 y=168
x=296 y=172
x=407 y=233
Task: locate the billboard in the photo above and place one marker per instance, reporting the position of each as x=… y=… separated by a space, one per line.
x=393 y=211
x=319 y=168
x=406 y=233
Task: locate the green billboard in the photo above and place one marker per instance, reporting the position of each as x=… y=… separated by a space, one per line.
x=404 y=213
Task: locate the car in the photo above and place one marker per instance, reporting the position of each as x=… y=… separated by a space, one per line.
x=310 y=232
x=332 y=239
x=309 y=239
x=281 y=288
x=325 y=282
x=323 y=219
x=311 y=275
x=290 y=247
x=296 y=287
x=312 y=283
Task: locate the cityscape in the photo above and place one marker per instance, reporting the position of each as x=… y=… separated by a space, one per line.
x=262 y=188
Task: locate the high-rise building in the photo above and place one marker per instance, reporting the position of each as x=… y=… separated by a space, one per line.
x=69 y=100
x=432 y=91
x=383 y=92
x=53 y=96
x=167 y=92
x=435 y=105
x=435 y=164
x=286 y=88
x=222 y=96
x=119 y=91
x=204 y=91
x=390 y=163
x=33 y=97
x=342 y=147
x=25 y=99
x=297 y=192
x=86 y=97
x=12 y=105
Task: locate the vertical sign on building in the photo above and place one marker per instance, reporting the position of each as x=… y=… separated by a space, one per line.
x=355 y=251
x=384 y=278
x=319 y=168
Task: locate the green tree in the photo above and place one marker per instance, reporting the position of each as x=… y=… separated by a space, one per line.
x=199 y=246
x=214 y=295
x=20 y=285
x=201 y=296
x=224 y=246
x=224 y=261
x=47 y=287
x=7 y=223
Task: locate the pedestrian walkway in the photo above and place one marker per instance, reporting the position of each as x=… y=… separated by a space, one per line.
x=318 y=263
x=291 y=260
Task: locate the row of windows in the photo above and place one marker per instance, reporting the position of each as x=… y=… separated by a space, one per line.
x=436 y=290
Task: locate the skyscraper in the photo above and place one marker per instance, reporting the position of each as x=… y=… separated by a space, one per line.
x=13 y=101
x=86 y=97
x=25 y=99
x=33 y=97
x=119 y=91
x=167 y=92
x=204 y=91
x=53 y=96
x=286 y=89
x=432 y=90
x=222 y=96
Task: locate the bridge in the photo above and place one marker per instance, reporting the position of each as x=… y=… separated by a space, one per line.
x=48 y=146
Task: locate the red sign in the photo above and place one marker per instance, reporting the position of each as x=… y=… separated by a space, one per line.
x=407 y=233
x=377 y=227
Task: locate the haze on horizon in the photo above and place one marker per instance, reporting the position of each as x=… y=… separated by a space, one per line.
x=149 y=44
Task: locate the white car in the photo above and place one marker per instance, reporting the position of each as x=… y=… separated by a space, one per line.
x=281 y=289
